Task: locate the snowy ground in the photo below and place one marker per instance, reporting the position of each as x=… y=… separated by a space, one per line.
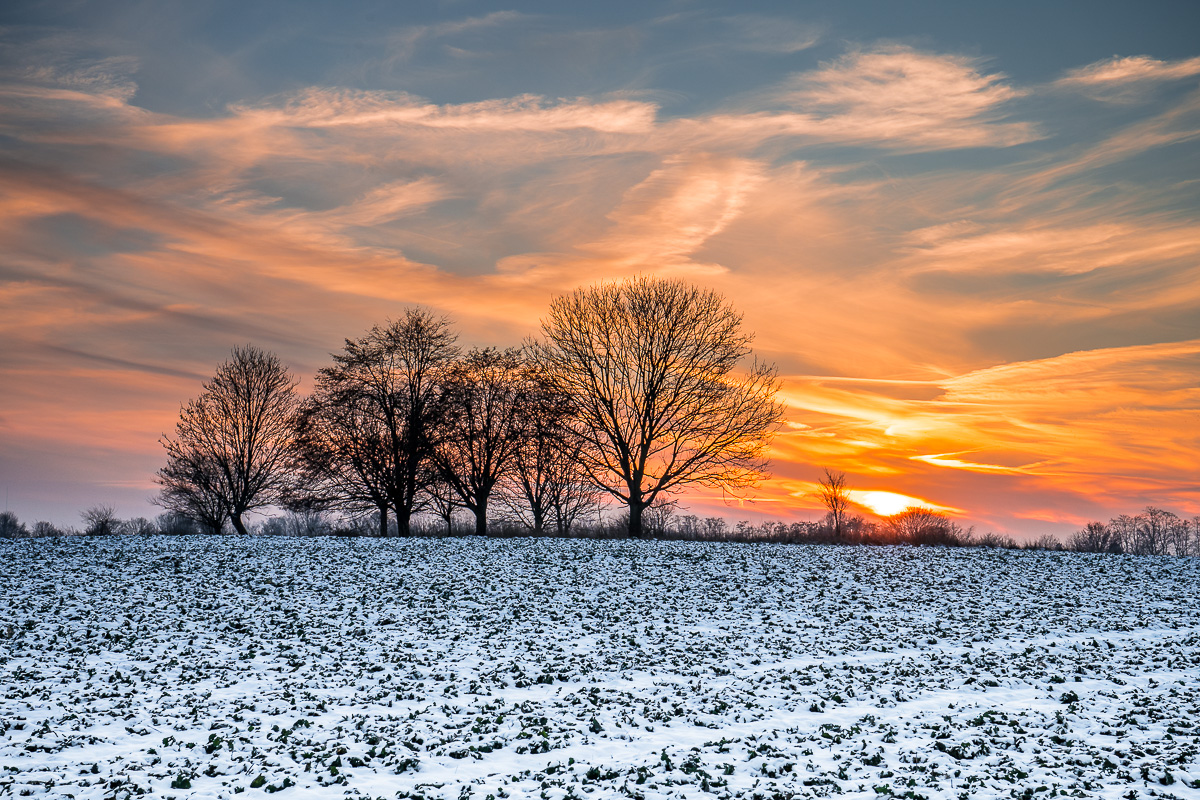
x=465 y=668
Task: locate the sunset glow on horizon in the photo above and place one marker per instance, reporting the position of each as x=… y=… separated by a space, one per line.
x=970 y=246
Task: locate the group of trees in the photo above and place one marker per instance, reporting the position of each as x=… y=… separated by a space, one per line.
x=631 y=393
x=1154 y=532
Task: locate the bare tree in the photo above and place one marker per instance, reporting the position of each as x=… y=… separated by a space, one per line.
x=1096 y=537
x=658 y=516
x=483 y=394
x=444 y=502
x=574 y=498
x=193 y=488
x=100 y=521
x=835 y=497
x=923 y=526
x=232 y=443
x=1124 y=529
x=1154 y=532
x=366 y=435
x=174 y=524
x=649 y=364
x=41 y=529
x=548 y=485
x=343 y=454
x=1155 y=528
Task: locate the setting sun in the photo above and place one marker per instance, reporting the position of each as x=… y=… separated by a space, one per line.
x=885 y=504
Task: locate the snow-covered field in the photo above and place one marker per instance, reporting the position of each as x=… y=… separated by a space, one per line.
x=212 y=667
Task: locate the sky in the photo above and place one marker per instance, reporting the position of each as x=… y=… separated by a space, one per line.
x=967 y=234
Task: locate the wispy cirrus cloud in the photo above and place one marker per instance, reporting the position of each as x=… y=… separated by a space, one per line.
x=904 y=98
x=341 y=108
x=108 y=77
x=1034 y=248
x=1123 y=70
x=1128 y=80
x=770 y=34
x=403 y=44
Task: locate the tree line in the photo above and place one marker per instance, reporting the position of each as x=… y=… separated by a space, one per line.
x=1154 y=531
x=632 y=392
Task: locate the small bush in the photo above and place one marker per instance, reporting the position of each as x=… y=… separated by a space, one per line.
x=11 y=527
x=100 y=521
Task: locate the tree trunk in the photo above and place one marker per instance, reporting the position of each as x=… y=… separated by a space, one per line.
x=481 y=519
x=403 y=523
x=383 y=520
x=236 y=519
x=635 y=519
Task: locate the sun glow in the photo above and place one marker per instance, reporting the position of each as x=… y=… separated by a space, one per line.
x=885 y=504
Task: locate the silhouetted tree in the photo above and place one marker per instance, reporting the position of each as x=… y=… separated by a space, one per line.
x=304 y=523
x=835 y=497
x=481 y=431
x=443 y=502
x=367 y=434
x=649 y=364
x=11 y=527
x=100 y=521
x=194 y=488
x=138 y=526
x=41 y=528
x=549 y=485
x=1096 y=537
x=232 y=443
x=1124 y=530
x=920 y=526
x=1155 y=531
x=174 y=523
x=343 y=450
x=658 y=516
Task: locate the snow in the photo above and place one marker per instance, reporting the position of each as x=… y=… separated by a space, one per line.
x=459 y=668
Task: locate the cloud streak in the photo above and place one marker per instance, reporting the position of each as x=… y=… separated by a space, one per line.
x=904 y=98
x=1123 y=70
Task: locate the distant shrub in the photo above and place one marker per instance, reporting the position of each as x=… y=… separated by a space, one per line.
x=11 y=527
x=100 y=521
x=307 y=523
x=994 y=541
x=172 y=523
x=139 y=526
x=922 y=526
x=1047 y=542
x=42 y=529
